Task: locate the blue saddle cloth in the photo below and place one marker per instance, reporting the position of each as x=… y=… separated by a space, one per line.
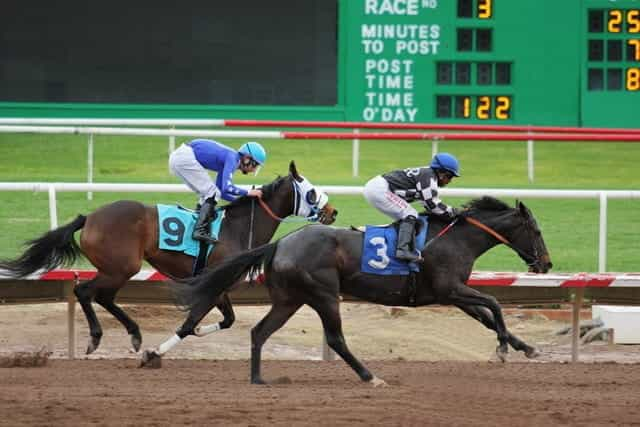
x=175 y=227
x=379 y=248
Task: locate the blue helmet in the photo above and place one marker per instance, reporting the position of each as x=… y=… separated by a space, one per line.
x=255 y=151
x=447 y=162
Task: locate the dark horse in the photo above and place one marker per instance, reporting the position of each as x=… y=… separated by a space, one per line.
x=117 y=237
x=314 y=264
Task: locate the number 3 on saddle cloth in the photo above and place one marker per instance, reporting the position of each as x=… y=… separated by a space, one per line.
x=175 y=227
x=379 y=248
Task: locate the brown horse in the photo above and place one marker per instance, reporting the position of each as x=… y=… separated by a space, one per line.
x=117 y=237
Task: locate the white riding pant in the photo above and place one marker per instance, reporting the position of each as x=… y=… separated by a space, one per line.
x=377 y=193
x=183 y=164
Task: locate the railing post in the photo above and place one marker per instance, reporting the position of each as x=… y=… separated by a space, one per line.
x=90 y=165
x=530 y=165
x=602 y=243
x=434 y=147
x=53 y=208
x=71 y=312
x=355 y=153
x=578 y=294
x=327 y=353
x=172 y=141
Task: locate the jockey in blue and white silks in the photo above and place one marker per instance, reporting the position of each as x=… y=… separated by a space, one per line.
x=190 y=163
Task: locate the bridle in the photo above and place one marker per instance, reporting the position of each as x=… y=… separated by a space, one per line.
x=296 y=207
x=531 y=260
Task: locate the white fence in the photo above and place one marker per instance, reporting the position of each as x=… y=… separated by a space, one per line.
x=602 y=195
x=625 y=135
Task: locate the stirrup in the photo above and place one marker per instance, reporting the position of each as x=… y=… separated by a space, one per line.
x=408 y=256
x=205 y=238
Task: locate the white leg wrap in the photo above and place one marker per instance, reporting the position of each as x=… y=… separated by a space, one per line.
x=168 y=344
x=201 y=331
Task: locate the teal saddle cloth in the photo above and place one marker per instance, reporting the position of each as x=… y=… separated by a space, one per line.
x=175 y=227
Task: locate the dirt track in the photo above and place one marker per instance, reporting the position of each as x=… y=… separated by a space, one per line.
x=109 y=388
x=116 y=392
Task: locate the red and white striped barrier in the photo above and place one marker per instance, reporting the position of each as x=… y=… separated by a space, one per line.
x=569 y=280
x=307 y=124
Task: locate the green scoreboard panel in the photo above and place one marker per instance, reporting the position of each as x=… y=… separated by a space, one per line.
x=568 y=62
x=516 y=62
x=610 y=87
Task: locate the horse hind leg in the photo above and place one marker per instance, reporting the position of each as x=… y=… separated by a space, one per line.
x=152 y=358
x=274 y=320
x=106 y=297
x=329 y=312
x=229 y=317
x=85 y=292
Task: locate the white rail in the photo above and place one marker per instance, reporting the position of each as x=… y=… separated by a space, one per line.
x=602 y=195
x=24 y=125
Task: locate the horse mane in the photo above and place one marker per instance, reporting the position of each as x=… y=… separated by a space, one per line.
x=267 y=192
x=486 y=203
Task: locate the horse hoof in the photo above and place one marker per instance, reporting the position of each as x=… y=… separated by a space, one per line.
x=93 y=345
x=378 y=382
x=151 y=359
x=532 y=353
x=258 y=381
x=136 y=342
x=501 y=352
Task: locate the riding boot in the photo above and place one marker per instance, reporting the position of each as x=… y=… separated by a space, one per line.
x=405 y=248
x=203 y=225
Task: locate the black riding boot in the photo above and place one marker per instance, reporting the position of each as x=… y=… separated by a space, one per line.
x=405 y=249
x=202 y=227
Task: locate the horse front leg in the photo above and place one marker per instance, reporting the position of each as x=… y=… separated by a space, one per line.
x=464 y=296
x=484 y=316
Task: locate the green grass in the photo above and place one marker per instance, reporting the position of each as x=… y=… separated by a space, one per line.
x=570 y=226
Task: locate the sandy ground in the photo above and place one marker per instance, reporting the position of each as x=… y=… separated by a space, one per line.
x=439 y=366
x=372 y=333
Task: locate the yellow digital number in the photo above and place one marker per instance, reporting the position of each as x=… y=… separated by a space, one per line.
x=636 y=48
x=633 y=79
x=485 y=9
x=466 y=107
x=614 y=24
x=633 y=21
x=503 y=107
x=483 y=108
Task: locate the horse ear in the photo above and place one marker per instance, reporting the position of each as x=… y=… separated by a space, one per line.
x=522 y=208
x=293 y=171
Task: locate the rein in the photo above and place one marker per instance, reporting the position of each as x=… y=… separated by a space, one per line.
x=531 y=259
x=268 y=210
x=275 y=217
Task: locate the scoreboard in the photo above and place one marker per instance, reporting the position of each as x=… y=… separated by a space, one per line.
x=610 y=64
x=569 y=62
x=512 y=62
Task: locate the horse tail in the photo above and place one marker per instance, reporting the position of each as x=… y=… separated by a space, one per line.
x=52 y=249
x=198 y=293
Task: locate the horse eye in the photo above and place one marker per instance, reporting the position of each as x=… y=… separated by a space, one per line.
x=312 y=197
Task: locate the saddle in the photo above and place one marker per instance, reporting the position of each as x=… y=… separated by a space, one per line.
x=175 y=227
x=379 y=246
